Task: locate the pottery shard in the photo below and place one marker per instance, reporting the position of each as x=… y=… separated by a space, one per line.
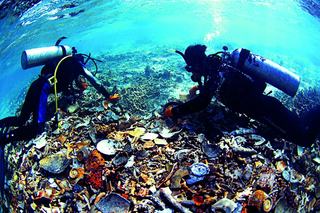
x=113 y=203
x=108 y=147
x=159 y=141
x=149 y=136
x=55 y=163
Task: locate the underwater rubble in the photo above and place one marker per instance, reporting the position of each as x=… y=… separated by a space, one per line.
x=126 y=157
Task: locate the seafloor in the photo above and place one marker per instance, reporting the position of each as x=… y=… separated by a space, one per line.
x=208 y=161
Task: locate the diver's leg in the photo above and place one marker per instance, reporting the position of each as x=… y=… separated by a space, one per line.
x=311 y=121
x=272 y=111
x=21 y=133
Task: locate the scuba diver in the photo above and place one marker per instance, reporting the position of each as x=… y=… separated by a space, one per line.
x=63 y=66
x=238 y=80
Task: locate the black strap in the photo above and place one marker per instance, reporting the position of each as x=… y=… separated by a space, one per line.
x=64 y=51
x=242 y=58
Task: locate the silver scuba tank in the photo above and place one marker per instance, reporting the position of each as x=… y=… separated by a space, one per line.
x=40 y=56
x=267 y=70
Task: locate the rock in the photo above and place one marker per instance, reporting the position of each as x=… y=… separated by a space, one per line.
x=198 y=172
x=55 y=163
x=225 y=204
x=113 y=203
x=120 y=159
x=72 y=108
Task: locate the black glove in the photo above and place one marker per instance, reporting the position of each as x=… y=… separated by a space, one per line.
x=167 y=108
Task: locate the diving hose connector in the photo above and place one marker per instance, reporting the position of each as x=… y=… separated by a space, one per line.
x=41 y=56
x=267 y=70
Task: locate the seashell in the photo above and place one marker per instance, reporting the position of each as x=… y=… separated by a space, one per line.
x=108 y=147
x=300 y=150
x=291 y=175
x=84 y=124
x=120 y=159
x=55 y=163
x=225 y=204
x=159 y=141
x=165 y=133
x=40 y=141
x=130 y=162
x=148 y=145
x=198 y=172
x=210 y=150
x=259 y=140
x=149 y=136
x=267 y=205
x=76 y=173
x=200 y=169
x=182 y=154
x=113 y=203
x=266 y=181
x=137 y=132
x=281 y=165
x=242 y=131
x=83 y=154
x=260 y=200
x=316 y=160
x=73 y=173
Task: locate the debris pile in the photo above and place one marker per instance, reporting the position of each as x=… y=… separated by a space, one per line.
x=105 y=158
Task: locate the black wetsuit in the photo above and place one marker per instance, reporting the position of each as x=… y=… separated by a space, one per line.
x=35 y=103
x=244 y=94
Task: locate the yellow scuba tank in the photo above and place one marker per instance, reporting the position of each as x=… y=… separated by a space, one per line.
x=265 y=69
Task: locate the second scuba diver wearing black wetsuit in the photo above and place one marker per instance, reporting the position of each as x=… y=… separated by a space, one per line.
x=244 y=94
x=36 y=99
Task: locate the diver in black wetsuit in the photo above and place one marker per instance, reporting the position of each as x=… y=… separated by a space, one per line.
x=244 y=94
x=35 y=104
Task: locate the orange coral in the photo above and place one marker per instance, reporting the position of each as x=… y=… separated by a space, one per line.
x=94 y=165
x=198 y=200
x=94 y=179
x=95 y=161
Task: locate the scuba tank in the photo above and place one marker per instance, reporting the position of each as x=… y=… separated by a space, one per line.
x=41 y=56
x=267 y=70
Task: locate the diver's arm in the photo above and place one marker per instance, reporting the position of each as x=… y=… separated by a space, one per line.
x=96 y=83
x=198 y=103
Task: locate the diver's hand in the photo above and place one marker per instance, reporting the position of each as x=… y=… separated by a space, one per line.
x=168 y=111
x=114 y=98
x=193 y=91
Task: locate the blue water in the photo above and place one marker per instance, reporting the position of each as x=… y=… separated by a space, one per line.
x=277 y=29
